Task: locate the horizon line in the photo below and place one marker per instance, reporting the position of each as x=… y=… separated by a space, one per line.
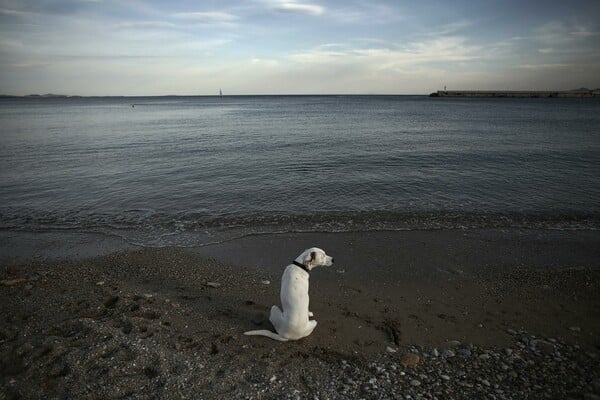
x=51 y=95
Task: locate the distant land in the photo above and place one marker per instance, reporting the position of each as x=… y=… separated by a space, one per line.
x=48 y=95
x=575 y=93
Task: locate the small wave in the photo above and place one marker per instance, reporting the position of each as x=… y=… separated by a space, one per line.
x=148 y=228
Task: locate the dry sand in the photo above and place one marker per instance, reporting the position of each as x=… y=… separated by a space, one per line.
x=481 y=314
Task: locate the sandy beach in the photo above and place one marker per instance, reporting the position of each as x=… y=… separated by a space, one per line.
x=501 y=314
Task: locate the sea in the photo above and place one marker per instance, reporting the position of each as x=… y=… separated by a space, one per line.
x=191 y=171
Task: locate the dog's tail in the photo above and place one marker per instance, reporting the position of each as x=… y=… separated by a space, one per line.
x=264 y=332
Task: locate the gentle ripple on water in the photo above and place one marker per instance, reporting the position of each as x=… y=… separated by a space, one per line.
x=191 y=170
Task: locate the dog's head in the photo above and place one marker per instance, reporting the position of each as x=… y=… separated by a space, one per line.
x=315 y=257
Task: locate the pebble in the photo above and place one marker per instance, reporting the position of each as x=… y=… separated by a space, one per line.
x=448 y=353
x=265 y=282
x=463 y=351
x=110 y=301
x=575 y=329
x=12 y=282
x=213 y=284
x=435 y=352
x=410 y=360
x=415 y=382
x=445 y=377
x=390 y=349
x=484 y=356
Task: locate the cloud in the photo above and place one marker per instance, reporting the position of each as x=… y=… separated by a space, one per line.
x=431 y=51
x=15 y=13
x=553 y=33
x=145 y=25
x=30 y=65
x=207 y=17
x=10 y=44
x=299 y=8
x=584 y=33
x=450 y=29
x=545 y=66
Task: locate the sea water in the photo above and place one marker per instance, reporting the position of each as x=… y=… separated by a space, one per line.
x=188 y=171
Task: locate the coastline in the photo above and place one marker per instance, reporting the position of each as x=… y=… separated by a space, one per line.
x=487 y=312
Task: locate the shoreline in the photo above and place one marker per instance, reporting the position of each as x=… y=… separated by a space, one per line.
x=464 y=314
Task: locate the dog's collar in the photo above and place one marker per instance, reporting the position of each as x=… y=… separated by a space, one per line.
x=304 y=267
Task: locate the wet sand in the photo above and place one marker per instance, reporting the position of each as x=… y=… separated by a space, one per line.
x=486 y=313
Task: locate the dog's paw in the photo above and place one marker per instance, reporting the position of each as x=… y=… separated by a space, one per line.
x=310 y=314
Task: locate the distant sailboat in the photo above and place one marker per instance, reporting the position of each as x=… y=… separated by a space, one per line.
x=220 y=93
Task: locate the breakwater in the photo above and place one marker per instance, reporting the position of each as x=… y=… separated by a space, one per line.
x=518 y=93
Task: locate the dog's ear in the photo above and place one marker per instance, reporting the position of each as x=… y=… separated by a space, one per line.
x=313 y=255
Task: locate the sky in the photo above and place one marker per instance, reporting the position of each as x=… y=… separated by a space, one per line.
x=151 y=47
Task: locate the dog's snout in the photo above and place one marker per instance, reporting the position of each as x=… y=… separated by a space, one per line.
x=332 y=260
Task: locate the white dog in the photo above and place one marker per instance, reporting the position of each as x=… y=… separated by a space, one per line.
x=293 y=322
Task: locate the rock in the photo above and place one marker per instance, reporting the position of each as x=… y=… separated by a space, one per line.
x=464 y=352
x=126 y=327
x=265 y=282
x=25 y=349
x=453 y=343
x=415 y=382
x=511 y=331
x=12 y=282
x=150 y=372
x=448 y=353
x=435 y=352
x=484 y=356
x=485 y=382
x=410 y=360
x=110 y=301
x=59 y=369
x=390 y=349
x=213 y=284
x=545 y=347
x=445 y=377
x=100 y=283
